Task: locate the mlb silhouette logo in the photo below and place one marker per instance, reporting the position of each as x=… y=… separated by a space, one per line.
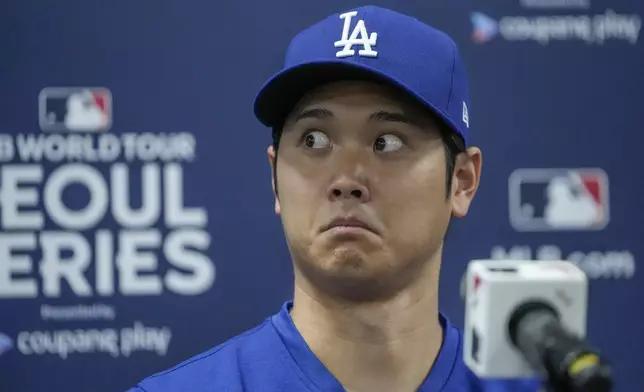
x=6 y=343
x=558 y=199
x=83 y=109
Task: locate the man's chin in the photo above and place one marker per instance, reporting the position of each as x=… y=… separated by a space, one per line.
x=349 y=259
x=350 y=274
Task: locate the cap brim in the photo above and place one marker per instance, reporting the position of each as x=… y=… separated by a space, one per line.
x=280 y=94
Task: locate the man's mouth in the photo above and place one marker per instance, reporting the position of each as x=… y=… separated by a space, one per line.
x=348 y=225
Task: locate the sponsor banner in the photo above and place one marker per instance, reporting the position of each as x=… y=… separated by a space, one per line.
x=598 y=264
x=91 y=215
x=113 y=342
x=596 y=29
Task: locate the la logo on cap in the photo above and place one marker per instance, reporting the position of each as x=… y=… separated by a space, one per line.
x=359 y=36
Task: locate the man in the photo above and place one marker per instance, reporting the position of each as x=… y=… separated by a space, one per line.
x=370 y=163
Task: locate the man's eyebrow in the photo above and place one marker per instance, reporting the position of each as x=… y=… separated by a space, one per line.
x=316 y=113
x=386 y=116
x=380 y=116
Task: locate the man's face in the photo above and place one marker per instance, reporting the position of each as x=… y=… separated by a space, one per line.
x=361 y=179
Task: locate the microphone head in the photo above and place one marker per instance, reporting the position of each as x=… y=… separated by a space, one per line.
x=496 y=289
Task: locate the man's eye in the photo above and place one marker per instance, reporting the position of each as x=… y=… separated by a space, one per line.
x=316 y=139
x=387 y=143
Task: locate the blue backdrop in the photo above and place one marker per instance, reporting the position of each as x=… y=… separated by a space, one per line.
x=136 y=213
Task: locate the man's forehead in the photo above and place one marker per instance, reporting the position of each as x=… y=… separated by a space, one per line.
x=357 y=95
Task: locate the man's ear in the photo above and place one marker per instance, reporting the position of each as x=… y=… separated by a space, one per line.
x=271 y=161
x=465 y=182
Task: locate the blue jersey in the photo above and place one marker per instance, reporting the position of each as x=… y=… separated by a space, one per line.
x=273 y=357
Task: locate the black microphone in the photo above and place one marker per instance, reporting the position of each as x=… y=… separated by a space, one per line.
x=570 y=363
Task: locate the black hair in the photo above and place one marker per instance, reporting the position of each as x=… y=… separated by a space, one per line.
x=452 y=142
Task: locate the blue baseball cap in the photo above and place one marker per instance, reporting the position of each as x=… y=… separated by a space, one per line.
x=376 y=44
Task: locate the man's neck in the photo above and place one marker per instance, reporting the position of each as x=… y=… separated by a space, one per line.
x=385 y=346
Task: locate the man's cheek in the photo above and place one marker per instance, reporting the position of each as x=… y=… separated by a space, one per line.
x=295 y=218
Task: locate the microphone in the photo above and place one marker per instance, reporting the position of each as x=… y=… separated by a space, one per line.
x=527 y=319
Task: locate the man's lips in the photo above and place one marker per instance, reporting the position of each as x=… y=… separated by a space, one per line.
x=348 y=224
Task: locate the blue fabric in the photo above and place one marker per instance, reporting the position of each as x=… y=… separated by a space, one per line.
x=273 y=357
x=400 y=50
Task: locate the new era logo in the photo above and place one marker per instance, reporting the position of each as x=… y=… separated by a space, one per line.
x=558 y=199
x=75 y=109
x=466 y=115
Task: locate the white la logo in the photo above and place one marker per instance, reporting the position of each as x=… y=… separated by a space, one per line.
x=359 y=36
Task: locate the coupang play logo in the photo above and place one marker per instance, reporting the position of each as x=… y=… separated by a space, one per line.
x=6 y=343
x=597 y=29
x=484 y=28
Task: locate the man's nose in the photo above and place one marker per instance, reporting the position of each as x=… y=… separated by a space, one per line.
x=347 y=188
x=350 y=183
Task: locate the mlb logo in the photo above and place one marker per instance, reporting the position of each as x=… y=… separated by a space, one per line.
x=558 y=199
x=6 y=343
x=71 y=109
